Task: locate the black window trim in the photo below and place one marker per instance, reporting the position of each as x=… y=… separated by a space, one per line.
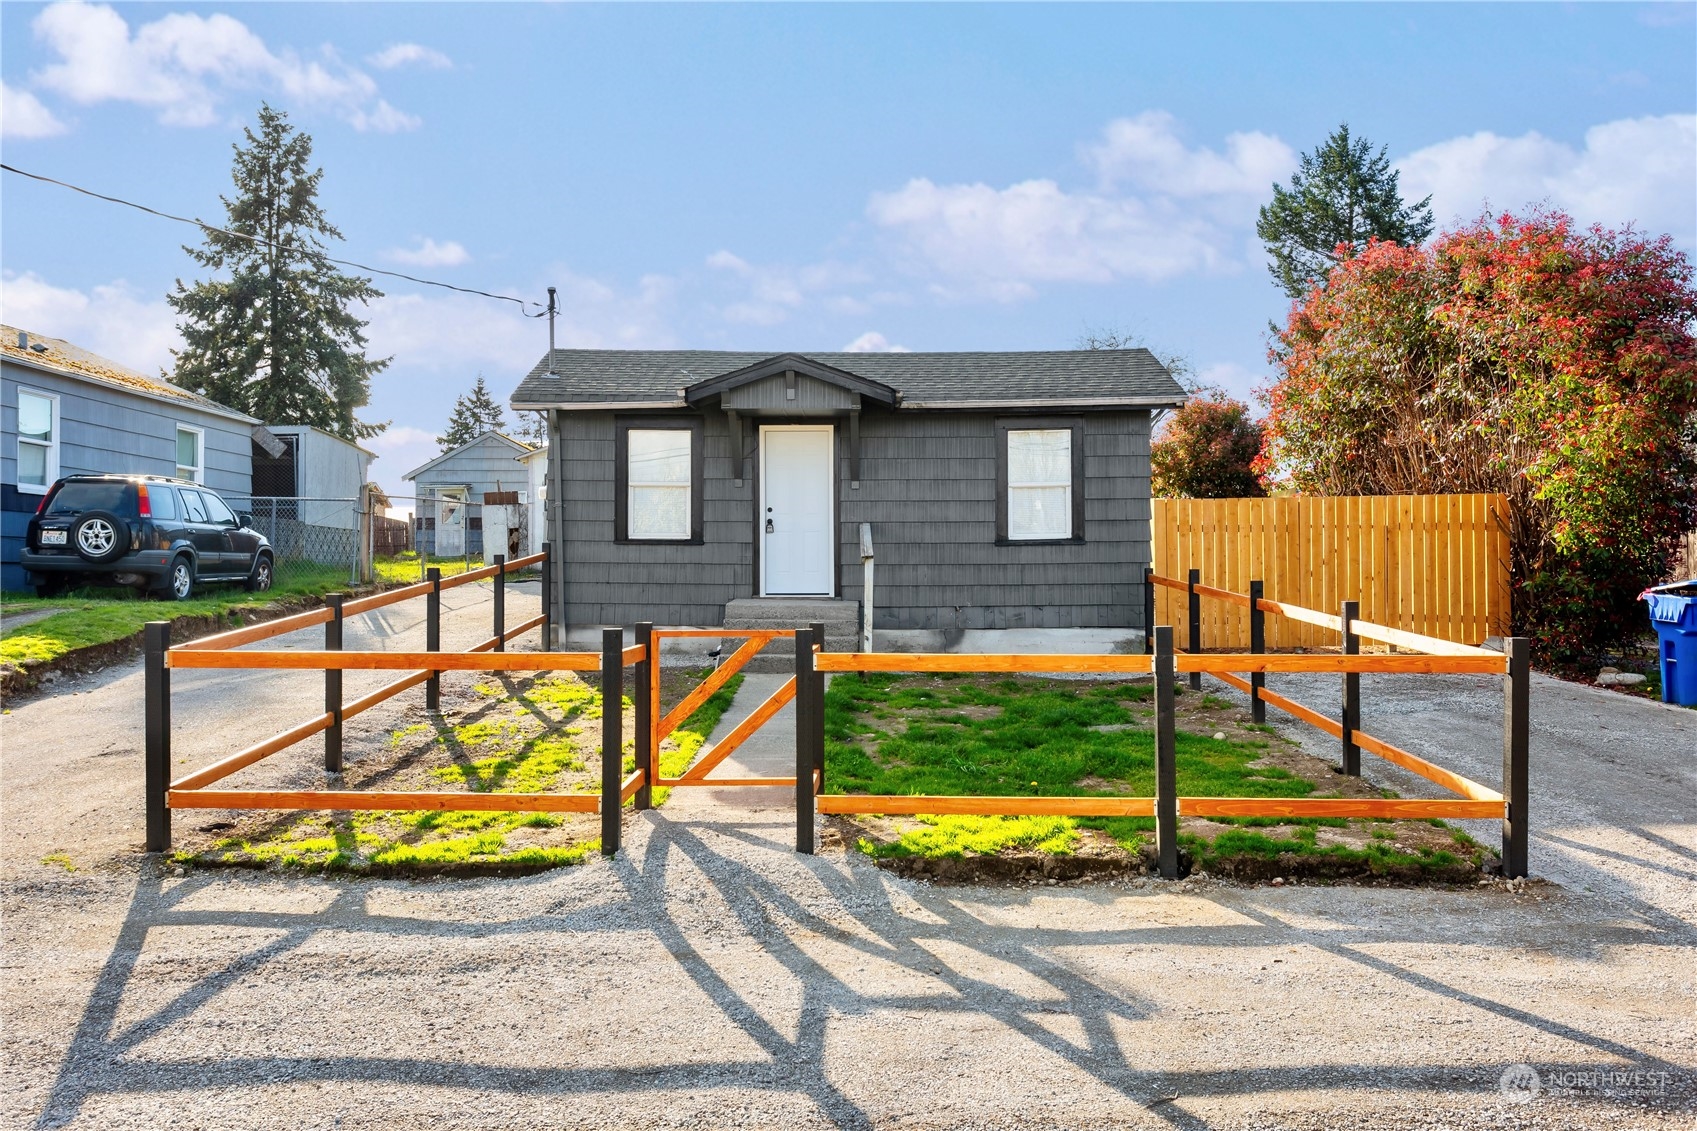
x=622 y=425
x=1006 y=424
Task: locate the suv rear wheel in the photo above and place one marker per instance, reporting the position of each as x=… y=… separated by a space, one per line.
x=179 y=583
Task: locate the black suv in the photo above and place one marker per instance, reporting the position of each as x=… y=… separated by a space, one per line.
x=165 y=535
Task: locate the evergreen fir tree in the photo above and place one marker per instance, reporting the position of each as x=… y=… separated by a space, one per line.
x=532 y=428
x=1344 y=193
x=272 y=334
x=474 y=414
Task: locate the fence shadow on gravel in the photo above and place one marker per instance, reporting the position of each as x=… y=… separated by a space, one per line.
x=105 y=1057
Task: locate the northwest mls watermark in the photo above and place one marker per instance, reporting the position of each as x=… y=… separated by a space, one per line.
x=1522 y=1083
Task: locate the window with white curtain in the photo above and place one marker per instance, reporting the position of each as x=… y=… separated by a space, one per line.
x=38 y=441
x=658 y=477
x=1039 y=484
x=191 y=444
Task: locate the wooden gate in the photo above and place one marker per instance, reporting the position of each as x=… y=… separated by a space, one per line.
x=1437 y=565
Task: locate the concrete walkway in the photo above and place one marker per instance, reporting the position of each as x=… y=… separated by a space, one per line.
x=768 y=753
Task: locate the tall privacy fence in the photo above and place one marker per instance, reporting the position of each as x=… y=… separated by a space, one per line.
x=1437 y=565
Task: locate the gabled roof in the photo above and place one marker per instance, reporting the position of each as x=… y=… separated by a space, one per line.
x=518 y=446
x=602 y=379
x=790 y=363
x=66 y=360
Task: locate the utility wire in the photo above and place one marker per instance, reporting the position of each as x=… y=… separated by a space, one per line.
x=318 y=255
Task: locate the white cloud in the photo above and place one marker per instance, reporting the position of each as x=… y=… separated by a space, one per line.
x=183 y=66
x=997 y=243
x=1642 y=170
x=407 y=55
x=1147 y=151
x=874 y=342
x=1160 y=209
x=769 y=294
x=1235 y=379
x=22 y=115
x=429 y=253
x=110 y=319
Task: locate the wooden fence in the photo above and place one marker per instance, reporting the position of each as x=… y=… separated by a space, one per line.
x=1437 y=565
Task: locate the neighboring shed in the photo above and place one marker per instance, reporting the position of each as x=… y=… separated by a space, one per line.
x=1003 y=490
x=535 y=464
x=65 y=411
x=317 y=475
x=443 y=523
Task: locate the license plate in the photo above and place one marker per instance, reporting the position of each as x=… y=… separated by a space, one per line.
x=52 y=537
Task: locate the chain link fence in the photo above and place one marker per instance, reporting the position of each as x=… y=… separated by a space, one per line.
x=316 y=543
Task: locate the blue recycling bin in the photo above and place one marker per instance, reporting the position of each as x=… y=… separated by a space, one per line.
x=1673 y=614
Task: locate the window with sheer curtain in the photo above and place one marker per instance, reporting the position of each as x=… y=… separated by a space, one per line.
x=1039 y=484
x=659 y=470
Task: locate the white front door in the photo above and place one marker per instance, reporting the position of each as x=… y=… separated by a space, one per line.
x=797 y=492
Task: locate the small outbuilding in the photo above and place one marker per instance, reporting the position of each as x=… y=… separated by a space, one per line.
x=995 y=490
x=451 y=492
x=66 y=411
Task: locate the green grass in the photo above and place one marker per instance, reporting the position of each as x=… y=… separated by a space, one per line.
x=1378 y=856
x=524 y=741
x=1020 y=737
x=543 y=737
x=101 y=615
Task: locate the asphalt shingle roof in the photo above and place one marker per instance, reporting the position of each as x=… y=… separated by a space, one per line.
x=588 y=377
x=74 y=361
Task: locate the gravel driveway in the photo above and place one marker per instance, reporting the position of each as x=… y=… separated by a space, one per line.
x=709 y=977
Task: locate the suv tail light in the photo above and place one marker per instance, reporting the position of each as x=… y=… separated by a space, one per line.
x=46 y=498
x=143 y=507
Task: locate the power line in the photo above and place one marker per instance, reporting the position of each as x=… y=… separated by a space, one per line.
x=318 y=255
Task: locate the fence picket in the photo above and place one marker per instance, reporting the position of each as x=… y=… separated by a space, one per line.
x=1431 y=564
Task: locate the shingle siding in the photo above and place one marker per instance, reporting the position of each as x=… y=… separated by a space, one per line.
x=927 y=486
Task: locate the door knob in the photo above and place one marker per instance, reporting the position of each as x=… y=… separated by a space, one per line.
x=769 y=527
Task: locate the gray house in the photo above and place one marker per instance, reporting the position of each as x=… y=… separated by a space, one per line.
x=65 y=411
x=450 y=489
x=1001 y=490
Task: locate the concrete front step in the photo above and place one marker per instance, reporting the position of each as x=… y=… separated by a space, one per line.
x=840 y=618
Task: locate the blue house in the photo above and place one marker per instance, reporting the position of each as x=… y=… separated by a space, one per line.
x=65 y=411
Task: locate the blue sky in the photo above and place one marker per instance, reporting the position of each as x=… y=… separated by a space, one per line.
x=807 y=177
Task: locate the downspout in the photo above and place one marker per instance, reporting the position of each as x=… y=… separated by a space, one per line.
x=557 y=526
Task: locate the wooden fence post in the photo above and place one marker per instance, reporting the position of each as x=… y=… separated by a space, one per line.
x=156 y=638
x=819 y=701
x=500 y=602
x=1257 y=645
x=1148 y=610
x=805 y=724
x=1517 y=721
x=647 y=673
x=1166 y=766
x=1351 y=719
x=612 y=735
x=1195 y=610
x=333 y=686
x=547 y=599
x=433 y=637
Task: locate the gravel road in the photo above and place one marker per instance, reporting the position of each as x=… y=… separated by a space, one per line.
x=709 y=977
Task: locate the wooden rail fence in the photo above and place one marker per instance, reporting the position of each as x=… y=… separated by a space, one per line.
x=1436 y=565
x=1472 y=800
x=224 y=651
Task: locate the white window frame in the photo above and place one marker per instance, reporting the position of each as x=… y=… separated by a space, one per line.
x=633 y=484
x=1066 y=482
x=52 y=445
x=199 y=475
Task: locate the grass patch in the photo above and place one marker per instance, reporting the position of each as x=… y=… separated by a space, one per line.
x=986 y=736
x=899 y=734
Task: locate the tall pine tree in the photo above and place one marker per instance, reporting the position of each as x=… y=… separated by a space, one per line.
x=474 y=414
x=1343 y=193
x=272 y=334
